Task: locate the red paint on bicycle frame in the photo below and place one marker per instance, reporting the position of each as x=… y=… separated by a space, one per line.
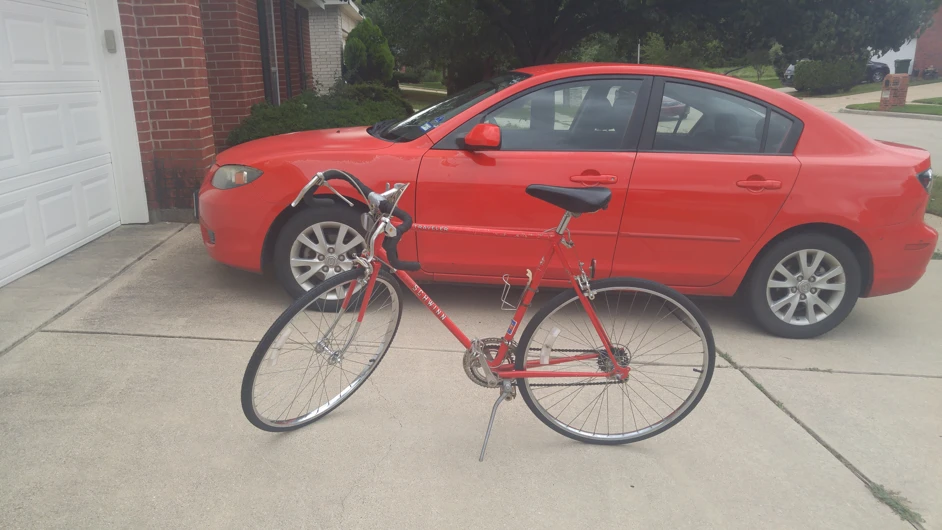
x=429 y=303
x=367 y=293
x=516 y=374
x=573 y=270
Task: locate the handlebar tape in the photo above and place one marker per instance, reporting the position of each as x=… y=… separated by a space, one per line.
x=389 y=243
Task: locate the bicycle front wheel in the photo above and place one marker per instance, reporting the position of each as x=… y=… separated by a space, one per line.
x=658 y=333
x=317 y=354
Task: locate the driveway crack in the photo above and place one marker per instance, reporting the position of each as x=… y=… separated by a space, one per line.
x=892 y=499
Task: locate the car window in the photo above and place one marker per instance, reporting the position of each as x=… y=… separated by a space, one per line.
x=423 y=121
x=779 y=127
x=587 y=115
x=695 y=119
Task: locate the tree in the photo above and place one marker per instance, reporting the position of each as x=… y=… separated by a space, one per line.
x=479 y=36
x=759 y=60
x=830 y=29
x=366 y=55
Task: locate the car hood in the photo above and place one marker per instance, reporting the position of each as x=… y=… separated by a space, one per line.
x=346 y=139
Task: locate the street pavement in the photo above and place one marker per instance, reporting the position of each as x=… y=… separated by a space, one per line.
x=120 y=367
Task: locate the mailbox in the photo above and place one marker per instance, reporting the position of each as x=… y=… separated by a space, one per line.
x=895 y=87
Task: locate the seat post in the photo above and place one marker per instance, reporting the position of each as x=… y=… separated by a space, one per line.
x=564 y=222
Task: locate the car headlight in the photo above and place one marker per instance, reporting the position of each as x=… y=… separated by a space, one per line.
x=233 y=176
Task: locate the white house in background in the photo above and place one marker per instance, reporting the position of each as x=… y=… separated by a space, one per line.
x=907 y=51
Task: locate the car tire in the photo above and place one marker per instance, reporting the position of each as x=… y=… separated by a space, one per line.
x=333 y=221
x=877 y=76
x=780 y=293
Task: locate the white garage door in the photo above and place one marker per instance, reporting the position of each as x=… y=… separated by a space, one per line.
x=57 y=187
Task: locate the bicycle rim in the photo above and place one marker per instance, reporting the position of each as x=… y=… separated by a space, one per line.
x=658 y=334
x=317 y=354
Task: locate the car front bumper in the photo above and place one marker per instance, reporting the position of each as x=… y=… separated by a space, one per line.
x=234 y=224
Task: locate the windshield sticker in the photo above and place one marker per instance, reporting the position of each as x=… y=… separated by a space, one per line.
x=426 y=126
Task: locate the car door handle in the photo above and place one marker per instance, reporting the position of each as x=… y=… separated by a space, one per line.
x=594 y=179
x=760 y=184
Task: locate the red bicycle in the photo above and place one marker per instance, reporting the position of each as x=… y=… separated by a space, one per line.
x=609 y=361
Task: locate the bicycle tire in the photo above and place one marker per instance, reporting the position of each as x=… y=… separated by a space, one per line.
x=567 y=297
x=251 y=371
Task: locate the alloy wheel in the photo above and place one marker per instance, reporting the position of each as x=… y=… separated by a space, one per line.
x=806 y=287
x=322 y=251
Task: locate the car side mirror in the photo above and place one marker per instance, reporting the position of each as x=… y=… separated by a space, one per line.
x=483 y=137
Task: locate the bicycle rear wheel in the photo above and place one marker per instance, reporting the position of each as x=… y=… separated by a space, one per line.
x=317 y=354
x=655 y=331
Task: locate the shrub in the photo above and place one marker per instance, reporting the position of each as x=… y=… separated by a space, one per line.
x=827 y=77
x=409 y=76
x=344 y=106
x=366 y=55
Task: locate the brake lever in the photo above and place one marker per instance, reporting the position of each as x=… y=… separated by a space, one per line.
x=318 y=180
x=337 y=193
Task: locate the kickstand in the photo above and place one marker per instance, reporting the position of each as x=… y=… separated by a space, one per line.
x=506 y=394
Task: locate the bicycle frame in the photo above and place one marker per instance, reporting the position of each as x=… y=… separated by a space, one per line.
x=557 y=245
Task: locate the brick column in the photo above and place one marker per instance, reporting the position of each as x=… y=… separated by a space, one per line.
x=233 y=62
x=174 y=105
x=929 y=45
x=326 y=46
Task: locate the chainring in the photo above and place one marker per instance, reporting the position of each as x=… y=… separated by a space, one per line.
x=472 y=364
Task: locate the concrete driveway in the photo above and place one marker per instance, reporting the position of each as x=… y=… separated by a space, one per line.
x=119 y=405
x=120 y=367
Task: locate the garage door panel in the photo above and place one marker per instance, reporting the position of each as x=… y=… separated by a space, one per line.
x=45 y=41
x=15 y=227
x=57 y=212
x=30 y=180
x=48 y=218
x=6 y=139
x=47 y=131
x=57 y=183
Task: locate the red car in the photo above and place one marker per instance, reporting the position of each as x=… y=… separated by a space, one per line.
x=720 y=186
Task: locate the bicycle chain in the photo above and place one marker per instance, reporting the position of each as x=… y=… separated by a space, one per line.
x=582 y=384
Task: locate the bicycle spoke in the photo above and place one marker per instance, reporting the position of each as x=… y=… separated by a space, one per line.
x=327 y=353
x=655 y=337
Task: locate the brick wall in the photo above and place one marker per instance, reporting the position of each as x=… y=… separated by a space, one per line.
x=326 y=48
x=297 y=83
x=929 y=45
x=171 y=98
x=233 y=62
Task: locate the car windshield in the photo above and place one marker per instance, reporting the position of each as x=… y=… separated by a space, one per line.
x=421 y=122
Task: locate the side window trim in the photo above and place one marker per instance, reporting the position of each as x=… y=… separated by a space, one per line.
x=646 y=143
x=632 y=133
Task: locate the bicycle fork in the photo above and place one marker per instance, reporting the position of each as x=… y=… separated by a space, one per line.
x=507 y=393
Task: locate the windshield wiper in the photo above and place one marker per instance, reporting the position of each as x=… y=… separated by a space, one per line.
x=381 y=126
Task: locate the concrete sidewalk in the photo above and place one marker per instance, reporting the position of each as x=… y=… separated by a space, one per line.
x=834 y=104
x=120 y=407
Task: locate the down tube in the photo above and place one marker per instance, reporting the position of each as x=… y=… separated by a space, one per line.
x=433 y=307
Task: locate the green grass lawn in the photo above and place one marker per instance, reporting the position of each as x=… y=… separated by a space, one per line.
x=748 y=73
x=909 y=108
x=935 y=200
x=420 y=99
x=431 y=85
x=929 y=101
x=862 y=89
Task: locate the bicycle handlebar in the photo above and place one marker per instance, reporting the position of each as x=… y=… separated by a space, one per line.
x=389 y=242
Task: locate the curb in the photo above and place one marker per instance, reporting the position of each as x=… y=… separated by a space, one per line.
x=909 y=116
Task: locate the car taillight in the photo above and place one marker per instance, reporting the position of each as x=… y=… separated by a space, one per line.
x=925 y=178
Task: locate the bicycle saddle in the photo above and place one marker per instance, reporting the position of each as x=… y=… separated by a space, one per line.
x=575 y=200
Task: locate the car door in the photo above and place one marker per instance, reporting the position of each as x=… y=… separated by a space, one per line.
x=713 y=170
x=578 y=132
